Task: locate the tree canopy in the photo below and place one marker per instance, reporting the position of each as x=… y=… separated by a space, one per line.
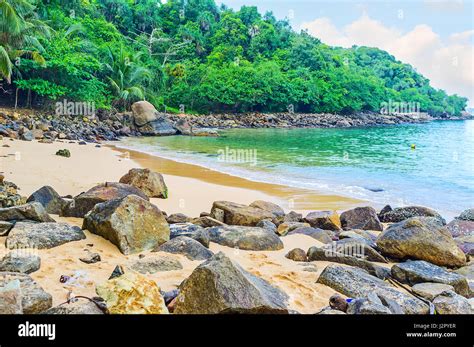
x=194 y=53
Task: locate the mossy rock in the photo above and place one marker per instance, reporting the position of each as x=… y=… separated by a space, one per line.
x=64 y=153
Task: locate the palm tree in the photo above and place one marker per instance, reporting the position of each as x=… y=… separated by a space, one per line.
x=127 y=76
x=19 y=31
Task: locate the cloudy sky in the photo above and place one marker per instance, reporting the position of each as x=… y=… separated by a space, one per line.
x=435 y=36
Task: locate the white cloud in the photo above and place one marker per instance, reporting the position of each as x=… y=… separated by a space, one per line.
x=449 y=64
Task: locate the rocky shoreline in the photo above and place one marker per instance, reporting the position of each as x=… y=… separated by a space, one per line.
x=145 y=120
x=405 y=260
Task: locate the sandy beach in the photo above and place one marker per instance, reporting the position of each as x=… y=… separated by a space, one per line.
x=32 y=165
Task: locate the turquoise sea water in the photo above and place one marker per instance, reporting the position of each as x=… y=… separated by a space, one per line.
x=375 y=164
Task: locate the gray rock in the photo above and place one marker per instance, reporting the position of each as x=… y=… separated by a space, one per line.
x=177 y=218
x=186 y=246
x=276 y=210
x=413 y=272
x=91 y=258
x=154 y=264
x=357 y=248
x=132 y=224
x=370 y=305
x=237 y=214
x=34 y=298
x=42 y=235
x=328 y=254
x=293 y=217
x=297 y=254
x=32 y=211
x=85 y=202
x=422 y=238
x=360 y=235
x=466 y=244
x=357 y=283
x=317 y=234
x=195 y=232
x=364 y=218
x=449 y=302
x=220 y=285
x=5 y=228
x=267 y=225
x=10 y=298
x=49 y=198
x=430 y=290
x=143 y=113
x=149 y=182
x=20 y=261
x=326 y=220
x=460 y=227
x=81 y=306
x=467 y=215
x=158 y=127
x=246 y=238
x=286 y=227
x=467 y=271
x=330 y=311
x=401 y=213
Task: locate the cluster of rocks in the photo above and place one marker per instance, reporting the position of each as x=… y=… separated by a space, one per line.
x=145 y=120
x=429 y=263
x=299 y=120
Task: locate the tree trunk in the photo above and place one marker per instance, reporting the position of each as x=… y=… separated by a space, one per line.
x=16 y=98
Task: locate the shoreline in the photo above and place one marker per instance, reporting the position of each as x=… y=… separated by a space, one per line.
x=192 y=188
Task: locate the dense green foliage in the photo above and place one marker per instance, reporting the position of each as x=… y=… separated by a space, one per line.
x=196 y=55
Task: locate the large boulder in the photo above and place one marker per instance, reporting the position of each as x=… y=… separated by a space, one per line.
x=246 y=238
x=364 y=218
x=84 y=202
x=467 y=215
x=20 y=261
x=186 y=246
x=286 y=227
x=459 y=227
x=326 y=220
x=356 y=248
x=132 y=224
x=143 y=113
x=237 y=214
x=154 y=264
x=331 y=255
x=297 y=254
x=42 y=235
x=32 y=211
x=34 y=299
x=161 y=126
x=422 y=238
x=357 y=283
x=195 y=232
x=276 y=210
x=132 y=293
x=220 y=285
x=430 y=290
x=419 y=271
x=10 y=298
x=466 y=244
x=149 y=182
x=401 y=213
x=317 y=234
x=49 y=198
x=449 y=302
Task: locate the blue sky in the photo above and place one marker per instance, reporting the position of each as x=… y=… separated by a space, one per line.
x=435 y=36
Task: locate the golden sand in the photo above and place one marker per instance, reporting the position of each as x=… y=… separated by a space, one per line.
x=32 y=165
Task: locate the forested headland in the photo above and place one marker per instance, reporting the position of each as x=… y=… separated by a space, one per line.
x=194 y=57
